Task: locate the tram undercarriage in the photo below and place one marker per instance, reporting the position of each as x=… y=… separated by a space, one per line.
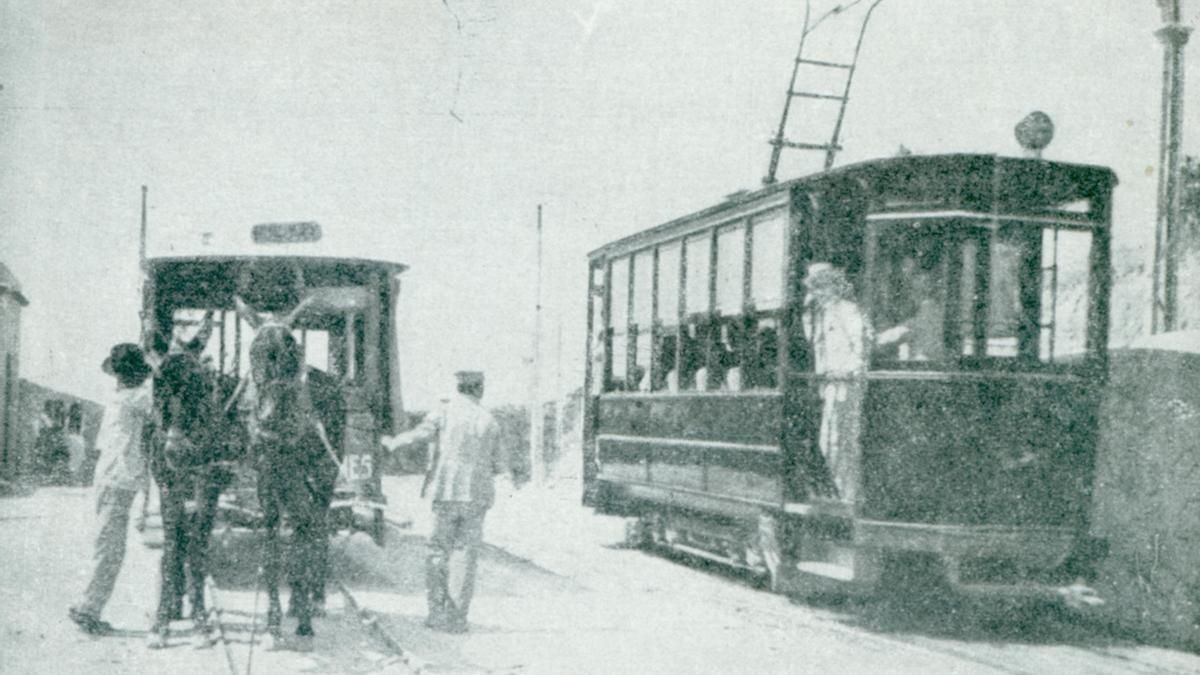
x=818 y=553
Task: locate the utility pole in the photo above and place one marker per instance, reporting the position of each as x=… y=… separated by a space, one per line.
x=144 y=271
x=560 y=400
x=1169 y=223
x=536 y=418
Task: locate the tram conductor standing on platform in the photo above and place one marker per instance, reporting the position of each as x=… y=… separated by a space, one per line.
x=468 y=454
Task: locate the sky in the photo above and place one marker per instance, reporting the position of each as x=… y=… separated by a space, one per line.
x=428 y=131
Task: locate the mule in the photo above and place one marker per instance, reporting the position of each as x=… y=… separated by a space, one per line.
x=186 y=453
x=295 y=417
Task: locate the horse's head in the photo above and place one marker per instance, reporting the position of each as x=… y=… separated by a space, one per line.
x=184 y=410
x=276 y=373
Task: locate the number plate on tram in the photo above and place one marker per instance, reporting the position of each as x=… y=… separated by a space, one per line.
x=358 y=467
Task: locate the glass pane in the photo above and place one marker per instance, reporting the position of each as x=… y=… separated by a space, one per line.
x=666 y=374
x=766 y=263
x=698 y=249
x=762 y=362
x=1065 y=267
x=597 y=341
x=620 y=349
x=731 y=266
x=968 y=300
x=693 y=350
x=668 y=283
x=643 y=288
x=316 y=349
x=619 y=304
x=641 y=374
x=1004 y=296
x=909 y=307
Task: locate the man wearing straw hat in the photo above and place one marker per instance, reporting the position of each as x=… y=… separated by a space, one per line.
x=467 y=456
x=840 y=336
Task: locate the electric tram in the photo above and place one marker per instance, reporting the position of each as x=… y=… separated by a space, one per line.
x=971 y=437
x=347 y=329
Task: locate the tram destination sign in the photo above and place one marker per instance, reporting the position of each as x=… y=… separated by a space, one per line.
x=286 y=233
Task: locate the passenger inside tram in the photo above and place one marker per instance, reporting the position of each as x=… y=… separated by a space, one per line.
x=726 y=369
x=666 y=373
x=919 y=335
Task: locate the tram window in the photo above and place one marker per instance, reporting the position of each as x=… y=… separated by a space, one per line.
x=731 y=268
x=316 y=349
x=620 y=363
x=761 y=369
x=1004 y=296
x=187 y=324
x=909 y=308
x=665 y=366
x=642 y=348
x=968 y=298
x=726 y=349
x=355 y=342
x=766 y=263
x=643 y=317
x=668 y=284
x=619 y=323
x=1064 y=306
x=643 y=288
x=698 y=263
x=665 y=363
x=598 y=331
x=693 y=353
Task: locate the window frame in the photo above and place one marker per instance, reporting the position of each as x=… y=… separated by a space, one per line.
x=984 y=230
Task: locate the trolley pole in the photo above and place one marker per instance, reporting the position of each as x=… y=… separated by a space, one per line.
x=536 y=419
x=1174 y=37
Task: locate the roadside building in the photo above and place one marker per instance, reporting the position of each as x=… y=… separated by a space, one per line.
x=29 y=420
x=11 y=302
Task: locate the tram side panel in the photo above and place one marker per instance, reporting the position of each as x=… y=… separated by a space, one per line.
x=704 y=454
x=991 y=475
x=1003 y=451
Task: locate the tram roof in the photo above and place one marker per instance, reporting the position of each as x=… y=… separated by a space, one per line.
x=391 y=266
x=867 y=171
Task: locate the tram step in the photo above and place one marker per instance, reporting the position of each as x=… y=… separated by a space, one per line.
x=715 y=557
x=831 y=570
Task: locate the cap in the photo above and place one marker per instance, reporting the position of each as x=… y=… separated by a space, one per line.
x=474 y=377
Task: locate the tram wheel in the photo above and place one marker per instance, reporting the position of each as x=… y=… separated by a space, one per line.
x=770 y=551
x=638 y=533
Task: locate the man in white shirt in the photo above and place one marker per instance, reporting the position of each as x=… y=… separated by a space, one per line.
x=468 y=454
x=839 y=334
x=119 y=473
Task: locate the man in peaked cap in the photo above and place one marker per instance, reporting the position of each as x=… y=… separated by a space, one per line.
x=467 y=456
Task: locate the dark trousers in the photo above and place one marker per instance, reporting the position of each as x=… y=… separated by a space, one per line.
x=453 y=558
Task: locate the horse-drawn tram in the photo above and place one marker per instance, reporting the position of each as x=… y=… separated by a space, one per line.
x=843 y=374
x=342 y=312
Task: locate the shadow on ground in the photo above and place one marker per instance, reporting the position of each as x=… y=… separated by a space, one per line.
x=918 y=602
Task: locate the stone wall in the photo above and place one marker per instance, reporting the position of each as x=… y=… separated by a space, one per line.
x=1147 y=490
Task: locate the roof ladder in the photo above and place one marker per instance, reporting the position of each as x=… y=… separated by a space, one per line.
x=830 y=148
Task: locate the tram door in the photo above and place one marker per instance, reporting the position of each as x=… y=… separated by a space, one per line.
x=340 y=334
